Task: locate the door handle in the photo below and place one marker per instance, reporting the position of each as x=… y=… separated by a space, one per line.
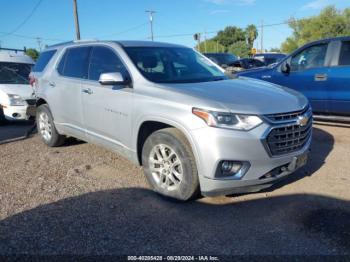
x=321 y=77
x=87 y=91
x=52 y=84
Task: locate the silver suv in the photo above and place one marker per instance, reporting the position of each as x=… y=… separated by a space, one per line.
x=173 y=111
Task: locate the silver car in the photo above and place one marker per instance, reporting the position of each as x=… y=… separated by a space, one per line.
x=173 y=111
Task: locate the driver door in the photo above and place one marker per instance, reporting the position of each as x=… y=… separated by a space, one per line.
x=106 y=108
x=308 y=75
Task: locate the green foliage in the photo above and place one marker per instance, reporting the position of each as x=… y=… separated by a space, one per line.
x=232 y=39
x=251 y=33
x=211 y=46
x=275 y=49
x=289 y=45
x=230 y=35
x=33 y=53
x=329 y=23
x=240 y=48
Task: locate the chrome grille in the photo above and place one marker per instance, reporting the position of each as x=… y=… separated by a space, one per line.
x=287 y=134
x=286 y=117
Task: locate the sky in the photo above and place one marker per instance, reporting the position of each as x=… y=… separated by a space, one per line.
x=174 y=21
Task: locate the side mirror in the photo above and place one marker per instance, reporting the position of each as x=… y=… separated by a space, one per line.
x=114 y=78
x=285 y=68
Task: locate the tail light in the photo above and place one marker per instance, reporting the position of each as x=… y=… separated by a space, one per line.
x=31 y=80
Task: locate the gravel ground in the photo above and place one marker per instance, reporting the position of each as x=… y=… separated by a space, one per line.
x=82 y=199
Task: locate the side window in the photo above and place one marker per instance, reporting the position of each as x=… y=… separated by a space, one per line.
x=344 y=58
x=60 y=67
x=75 y=62
x=43 y=60
x=104 y=60
x=313 y=56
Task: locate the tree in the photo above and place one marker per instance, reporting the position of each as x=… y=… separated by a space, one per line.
x=230 y=35
x=33 y=53
x=329 y=23
x=251 y=34
x=240 y=49
x=275 y=50
x=211 y=46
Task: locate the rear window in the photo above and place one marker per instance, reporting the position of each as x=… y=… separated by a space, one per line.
x=43 y=60
x=344 y=58
x=14 y=73
x=75 y=62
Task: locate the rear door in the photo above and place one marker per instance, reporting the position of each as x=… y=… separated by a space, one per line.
x=65 y=89
x=106 y=108
x=308 y=75
x=339 y=78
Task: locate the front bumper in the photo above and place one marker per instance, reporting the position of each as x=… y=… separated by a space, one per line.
x=12 y=113
x=214 y=145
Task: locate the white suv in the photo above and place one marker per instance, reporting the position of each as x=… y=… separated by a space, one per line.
x=16 y=94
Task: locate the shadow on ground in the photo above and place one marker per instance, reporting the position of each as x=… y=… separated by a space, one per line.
x=137 y=221
x=14 y=131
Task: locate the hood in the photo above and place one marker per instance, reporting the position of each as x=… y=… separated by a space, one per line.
x=254 y=71
x=25 y=91
x=243 y=95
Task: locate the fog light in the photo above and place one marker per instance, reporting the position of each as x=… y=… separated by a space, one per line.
x=229 y=168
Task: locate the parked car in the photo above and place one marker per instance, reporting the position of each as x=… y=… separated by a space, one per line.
x=15 y=91
x=244 y=64
x=173 y=111
x=321 y=71
x=270 y=58
x=221 y=59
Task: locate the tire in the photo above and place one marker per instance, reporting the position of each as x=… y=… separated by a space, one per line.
x=168 y=149
x=46 y=127
x=2 y=116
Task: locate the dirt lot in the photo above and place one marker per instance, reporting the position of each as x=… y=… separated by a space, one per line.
x=82 y=199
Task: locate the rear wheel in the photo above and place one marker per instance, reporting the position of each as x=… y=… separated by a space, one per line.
x=46 y=127
x=169 y=164
x=2 y=116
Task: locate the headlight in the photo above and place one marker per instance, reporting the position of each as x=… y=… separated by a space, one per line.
x=16 y=100
x=228 y=120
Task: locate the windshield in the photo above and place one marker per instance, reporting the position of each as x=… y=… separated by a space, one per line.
x=14 y=73
x=173 y=65
x=223 y=59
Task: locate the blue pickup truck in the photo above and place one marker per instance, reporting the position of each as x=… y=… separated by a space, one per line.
x=320 y=70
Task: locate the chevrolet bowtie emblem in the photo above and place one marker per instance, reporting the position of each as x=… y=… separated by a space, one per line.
x=303 y=120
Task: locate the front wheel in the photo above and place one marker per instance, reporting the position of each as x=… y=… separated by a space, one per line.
x=169 y=164
x=46 y=127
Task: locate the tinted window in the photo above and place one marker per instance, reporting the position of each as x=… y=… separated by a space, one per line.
x=104 y=60
x=14 y=73
x=344 y=58
x=313 y=56
x=76 y=62
x=62 y=63
x=173 y=65
x=43 y=60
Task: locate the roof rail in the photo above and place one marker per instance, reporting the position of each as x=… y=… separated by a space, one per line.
x=85 y=40
x=14 y=49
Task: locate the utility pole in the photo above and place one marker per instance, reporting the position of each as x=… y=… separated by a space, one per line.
x=151 y=12
x=262 y=37
x=76 y=19
x=38 y=40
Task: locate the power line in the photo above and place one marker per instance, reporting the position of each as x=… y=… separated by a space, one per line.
x=127 y=30
x=35 y=37
x=24 y=21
